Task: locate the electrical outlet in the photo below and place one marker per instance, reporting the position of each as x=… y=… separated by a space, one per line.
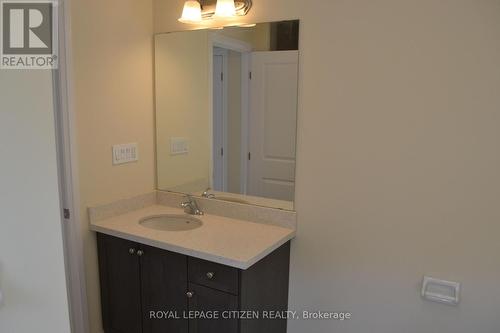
x=125 y=153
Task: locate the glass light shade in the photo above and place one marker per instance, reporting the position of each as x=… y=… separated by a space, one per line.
x=247 y=25
x=225 y=9
x=191 y=12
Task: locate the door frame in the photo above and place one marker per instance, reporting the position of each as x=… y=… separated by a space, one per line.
x=245 y=119
x=67 y=162
x=217 y=51
x=218 y=40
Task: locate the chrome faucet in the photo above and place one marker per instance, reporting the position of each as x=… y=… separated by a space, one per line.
x=208 y=195
x=191 y=207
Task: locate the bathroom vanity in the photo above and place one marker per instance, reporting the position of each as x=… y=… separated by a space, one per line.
x=147 y=289
x=219 y=275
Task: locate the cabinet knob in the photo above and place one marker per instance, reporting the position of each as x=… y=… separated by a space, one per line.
x=140 y=253
x=131 y=250
x=190 y=294
x=210 y=275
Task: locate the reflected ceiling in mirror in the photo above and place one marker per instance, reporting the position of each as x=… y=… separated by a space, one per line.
x=226 y=113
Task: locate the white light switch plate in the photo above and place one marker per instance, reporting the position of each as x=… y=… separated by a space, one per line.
x=179 y=146
x=125 y=153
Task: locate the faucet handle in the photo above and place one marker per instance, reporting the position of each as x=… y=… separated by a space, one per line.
x=188 y=200
x=190 y=206
x=208 y=195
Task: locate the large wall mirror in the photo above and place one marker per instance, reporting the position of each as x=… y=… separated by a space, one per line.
x=226 y=112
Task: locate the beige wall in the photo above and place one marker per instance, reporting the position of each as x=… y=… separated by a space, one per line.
x=261 y=37
x=32 y=276
x=182 y=110
x=112 y=47
x=397 y=162
x=258 y=36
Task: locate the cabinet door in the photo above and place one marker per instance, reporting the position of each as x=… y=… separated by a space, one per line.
x=120 y=285
x=164 y=286
x=210 y=300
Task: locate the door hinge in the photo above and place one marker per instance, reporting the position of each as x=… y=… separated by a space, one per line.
x=250 y=75
x=222 y=76
x=66 y=213
x=249 y=156
x=222 y=152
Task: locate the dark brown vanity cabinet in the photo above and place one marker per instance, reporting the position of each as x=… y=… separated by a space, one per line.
x=150 y=290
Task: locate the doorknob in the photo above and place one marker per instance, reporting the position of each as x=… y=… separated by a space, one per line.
x=131 y=250
x=190 y=294
x=140 y=253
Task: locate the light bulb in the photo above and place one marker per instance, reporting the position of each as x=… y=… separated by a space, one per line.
x=191 y=12
x=225 y=9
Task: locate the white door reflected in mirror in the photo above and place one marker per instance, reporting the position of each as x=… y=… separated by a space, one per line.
x=273 y=124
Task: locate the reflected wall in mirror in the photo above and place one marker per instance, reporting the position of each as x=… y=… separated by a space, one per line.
x=226 y=112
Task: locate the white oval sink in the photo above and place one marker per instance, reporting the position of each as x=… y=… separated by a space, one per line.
x=171 y=222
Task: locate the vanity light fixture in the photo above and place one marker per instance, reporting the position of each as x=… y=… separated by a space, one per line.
x=191 y=12
x=204 y=11
x=225 y=9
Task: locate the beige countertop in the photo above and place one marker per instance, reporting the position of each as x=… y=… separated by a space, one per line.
x=220 y=239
